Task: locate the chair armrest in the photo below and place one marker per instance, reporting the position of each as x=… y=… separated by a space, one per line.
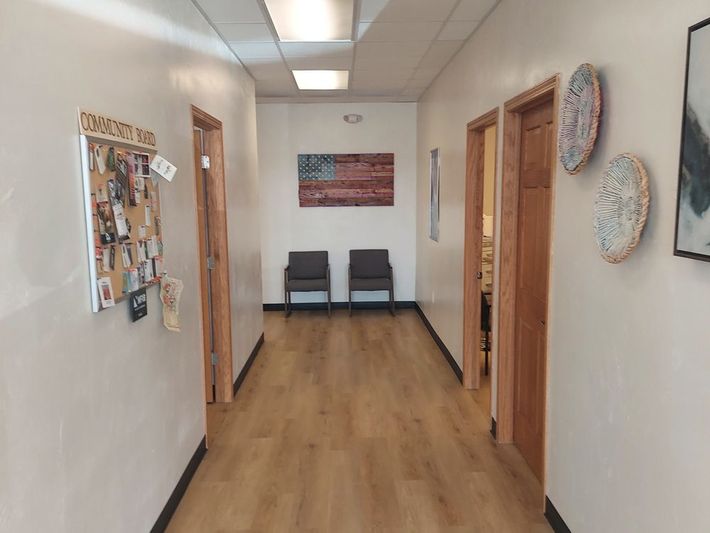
x=286 y=271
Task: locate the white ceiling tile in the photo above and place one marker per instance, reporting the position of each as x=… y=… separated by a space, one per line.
x=232 y=10
x=245 y=32
x=270 y=71
x=320 y=63
x=379 y=74
x=276 y=88
x=370 y=9
x=316 y=49
x=406 y=10
x=473 y=9
x=415 y=92
x=245 y=50
x=375 y=63
x=440 y=53
x=398 y=31
x=391 y=51
x=376 y=91
x=458 y=30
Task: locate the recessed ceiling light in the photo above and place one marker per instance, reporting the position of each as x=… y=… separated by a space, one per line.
x=312 y=20
x=321 y=80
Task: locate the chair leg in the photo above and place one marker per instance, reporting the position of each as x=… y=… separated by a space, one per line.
x=288 y=304
x=391 y=301
x=328 y=302
x=350 y=302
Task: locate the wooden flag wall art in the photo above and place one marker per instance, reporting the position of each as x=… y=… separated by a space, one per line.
x=345 y=180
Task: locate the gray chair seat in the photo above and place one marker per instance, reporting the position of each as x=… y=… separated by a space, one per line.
x=370 y=270
x=306 y=285
x=370 y=284
x=306 y=272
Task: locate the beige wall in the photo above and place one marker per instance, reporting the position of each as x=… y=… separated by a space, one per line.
x=286 y=130
x=628 y=347
x=100 y=416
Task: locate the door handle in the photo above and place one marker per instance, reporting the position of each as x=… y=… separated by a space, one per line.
x=479 y=275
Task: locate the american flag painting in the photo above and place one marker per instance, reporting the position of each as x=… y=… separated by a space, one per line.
x=336 y=180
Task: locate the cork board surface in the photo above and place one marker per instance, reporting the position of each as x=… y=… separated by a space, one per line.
x=125 y=217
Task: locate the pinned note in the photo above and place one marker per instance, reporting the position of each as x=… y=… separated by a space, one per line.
x=163 y=167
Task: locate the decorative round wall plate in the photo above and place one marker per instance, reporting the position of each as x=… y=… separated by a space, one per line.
x=621 y=207
x=579 y=124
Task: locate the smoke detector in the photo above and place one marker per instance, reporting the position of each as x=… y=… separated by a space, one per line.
x=352 y=118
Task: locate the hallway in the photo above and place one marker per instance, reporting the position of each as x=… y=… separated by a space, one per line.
x=356 y=424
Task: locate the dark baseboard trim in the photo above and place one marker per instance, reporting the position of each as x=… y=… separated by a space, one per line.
x=494 y=429
x=434 y=335
x=161 y=524
x=322 y=306
x=553 y=517
x=243 y=374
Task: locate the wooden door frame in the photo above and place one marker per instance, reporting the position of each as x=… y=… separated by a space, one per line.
x=513 y=110
x=221 y=305
x=473 y=246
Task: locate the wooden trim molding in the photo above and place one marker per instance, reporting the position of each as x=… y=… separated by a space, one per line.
x=513 y=109
x=218 y=243
x=473 y=234
x=204 y=120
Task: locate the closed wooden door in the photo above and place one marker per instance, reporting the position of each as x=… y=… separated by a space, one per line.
x=533 y=260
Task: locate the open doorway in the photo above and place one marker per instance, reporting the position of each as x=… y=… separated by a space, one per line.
x=479 y=255
x=214 y=260
x=530 y=139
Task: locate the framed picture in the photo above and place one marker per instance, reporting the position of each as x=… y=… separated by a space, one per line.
x=434 y=190
x=692 y=238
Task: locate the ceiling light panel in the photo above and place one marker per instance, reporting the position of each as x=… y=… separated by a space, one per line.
x=321 y=80
x=312 y=20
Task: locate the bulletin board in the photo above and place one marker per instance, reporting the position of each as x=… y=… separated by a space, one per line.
x=122 y=203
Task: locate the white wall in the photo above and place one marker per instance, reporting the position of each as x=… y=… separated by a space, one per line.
x=286 y=130
x=99 y=416
x=628 y=348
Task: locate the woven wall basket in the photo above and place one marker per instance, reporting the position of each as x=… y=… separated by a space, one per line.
x=579 y=123
x=621 y=207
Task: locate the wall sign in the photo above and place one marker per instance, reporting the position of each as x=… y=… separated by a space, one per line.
x=105 y=128
x=139 y=304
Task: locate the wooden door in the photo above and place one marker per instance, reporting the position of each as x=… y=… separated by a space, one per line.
x=203 y=246
x=534 y=219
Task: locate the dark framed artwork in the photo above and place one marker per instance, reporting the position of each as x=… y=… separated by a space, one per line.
x=692 y=236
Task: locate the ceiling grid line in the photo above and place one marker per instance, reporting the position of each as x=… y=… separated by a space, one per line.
x=360 y=50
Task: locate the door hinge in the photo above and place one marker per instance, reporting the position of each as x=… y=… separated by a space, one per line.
x=211 y=263
x=205 y=162
x=214 y=359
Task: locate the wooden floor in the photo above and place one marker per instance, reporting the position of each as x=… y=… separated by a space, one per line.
x=356 y=425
